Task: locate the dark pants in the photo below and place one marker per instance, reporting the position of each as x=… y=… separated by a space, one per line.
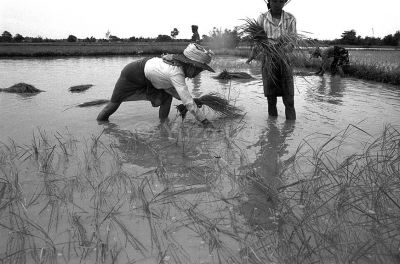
x=278 y=82
x=288 y=101
x=132 y=85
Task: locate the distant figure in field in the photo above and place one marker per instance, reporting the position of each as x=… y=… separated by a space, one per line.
x=196 y=36
x=340 y=58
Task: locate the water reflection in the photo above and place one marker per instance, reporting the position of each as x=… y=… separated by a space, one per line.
x=266 y=172
x=336 y=90
x=273 y=145
x=128 y=145
x=178 y=155
x=329 y=89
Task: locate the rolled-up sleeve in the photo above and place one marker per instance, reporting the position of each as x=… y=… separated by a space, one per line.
x=292 y=27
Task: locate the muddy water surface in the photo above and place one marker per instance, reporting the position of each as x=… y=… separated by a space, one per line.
x=201 y=166
x=324 y=105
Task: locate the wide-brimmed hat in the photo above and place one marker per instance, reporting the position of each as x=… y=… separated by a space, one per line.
x=196 y=55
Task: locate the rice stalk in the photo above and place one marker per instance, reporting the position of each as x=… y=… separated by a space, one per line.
x=349 y=208
x=150 y=214
x=130 y=238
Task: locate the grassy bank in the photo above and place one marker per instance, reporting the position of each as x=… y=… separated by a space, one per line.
x=12 y=50
x=371 y=71
x=384 y=70
x=374 y=70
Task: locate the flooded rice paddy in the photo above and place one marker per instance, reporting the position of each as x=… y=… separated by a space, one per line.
x=134 y=190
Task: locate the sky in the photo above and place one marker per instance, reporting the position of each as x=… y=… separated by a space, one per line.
x=321 y=19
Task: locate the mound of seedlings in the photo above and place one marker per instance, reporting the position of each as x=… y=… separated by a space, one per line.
x=21 y=88
x=215 y=102
x=226 y=75
x=80 y=88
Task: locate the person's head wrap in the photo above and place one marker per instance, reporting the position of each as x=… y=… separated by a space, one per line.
x=194 y=54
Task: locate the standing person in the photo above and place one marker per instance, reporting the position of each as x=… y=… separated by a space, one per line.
x=340 y=58
x=277 y=24
x=158 y=80
x=195 y=36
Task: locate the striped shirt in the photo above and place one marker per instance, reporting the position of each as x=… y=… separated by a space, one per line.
x=274 y=28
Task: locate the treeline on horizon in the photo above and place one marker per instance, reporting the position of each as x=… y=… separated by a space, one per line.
x=225 y=38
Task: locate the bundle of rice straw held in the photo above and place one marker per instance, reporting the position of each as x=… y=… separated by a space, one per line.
x=215 y=102
x=288 y=49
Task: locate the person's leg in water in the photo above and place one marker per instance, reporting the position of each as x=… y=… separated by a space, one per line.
x=334 y=65
x=165 y=108
x=290 y=111
x=111 y=107
x=270 y=85
x=116 y=98
x=272 y=110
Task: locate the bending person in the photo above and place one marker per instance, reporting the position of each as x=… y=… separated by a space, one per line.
x=340 y=58
x=158 y=80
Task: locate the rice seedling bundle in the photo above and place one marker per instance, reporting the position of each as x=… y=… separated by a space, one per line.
x=225 y=75
x=215 y=102
x=289 y=49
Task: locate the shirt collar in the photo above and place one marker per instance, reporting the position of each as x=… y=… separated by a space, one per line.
x=269 y=17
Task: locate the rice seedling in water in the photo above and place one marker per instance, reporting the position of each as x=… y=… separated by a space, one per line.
x=331 y=209
x=341 y=210
x=53 y=197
